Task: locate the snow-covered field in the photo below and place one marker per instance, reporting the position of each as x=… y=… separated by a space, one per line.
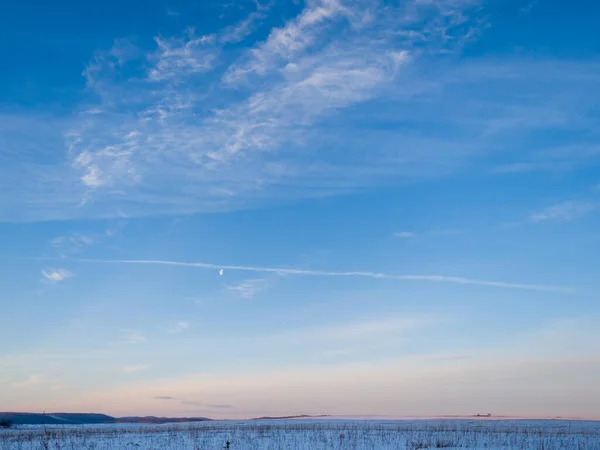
x=312 y=435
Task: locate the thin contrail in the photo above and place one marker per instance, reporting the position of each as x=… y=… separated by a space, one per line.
x=325 y=273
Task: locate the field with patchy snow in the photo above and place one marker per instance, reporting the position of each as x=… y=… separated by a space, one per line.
x=312 y=435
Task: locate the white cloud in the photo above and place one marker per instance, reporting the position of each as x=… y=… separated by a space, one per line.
x=439 y=233
x=132 y=337
x=181 y=57
x=325 y=273
x=358 y=330
x=93 y=177
x=71 y=243
x=238 y=32
x=405 y=234
x=341 y=97
x=77 y=240
x=290 y=40
x=180 y=129
x=528 y=7
x=56 y=275
x=135 y=368
x=180 y=326
x=33 y=380
x=248 y=288
x=564 y=211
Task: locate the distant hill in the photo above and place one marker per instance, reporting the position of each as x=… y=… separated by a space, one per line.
x=54 y=418
x=18 y=418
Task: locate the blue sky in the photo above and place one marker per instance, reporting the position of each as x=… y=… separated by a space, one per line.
x=252 y=208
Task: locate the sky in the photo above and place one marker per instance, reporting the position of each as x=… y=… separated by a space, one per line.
x=262 y=207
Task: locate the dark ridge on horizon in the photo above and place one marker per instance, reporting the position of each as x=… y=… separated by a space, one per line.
x=24 y=418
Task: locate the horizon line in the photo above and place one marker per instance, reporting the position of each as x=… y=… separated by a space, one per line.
x=334 y=416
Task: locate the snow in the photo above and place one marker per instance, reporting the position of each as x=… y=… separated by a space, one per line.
x=313 y=434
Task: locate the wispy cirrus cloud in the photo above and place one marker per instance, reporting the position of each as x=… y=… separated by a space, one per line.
x=36 y=379
x=214 y=129
x=180 y=326
x=528 y=7
x=191 y=125
x=248 y=288
x=405 y=234
x=56 y=275
x=325 y=273
x=74 y=239
x=180 y=57
x=74 y=243
x=437 y=233
x=359 y=330
x=135 y=368
x=565 y=211
x=289 y=41
x=132 y=337
x=71 y=243
x=239 y=31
